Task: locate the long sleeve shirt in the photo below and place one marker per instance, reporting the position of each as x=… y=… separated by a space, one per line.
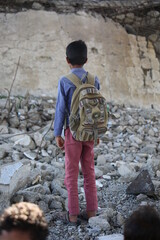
x=65 y=91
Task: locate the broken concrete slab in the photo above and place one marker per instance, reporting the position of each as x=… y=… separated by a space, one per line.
x=111 y=237
x=142 y=184
x=26 y=141
x=14 y=176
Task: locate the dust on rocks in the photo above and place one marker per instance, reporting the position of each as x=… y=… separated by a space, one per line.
x=36 y=167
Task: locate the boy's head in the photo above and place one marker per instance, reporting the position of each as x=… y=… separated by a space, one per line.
x=76 y=53
x=23 y=221
x=143 y=224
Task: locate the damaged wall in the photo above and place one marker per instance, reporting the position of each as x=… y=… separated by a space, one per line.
x=125 y=63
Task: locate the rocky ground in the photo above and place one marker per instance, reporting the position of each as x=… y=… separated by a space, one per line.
x=132 y=144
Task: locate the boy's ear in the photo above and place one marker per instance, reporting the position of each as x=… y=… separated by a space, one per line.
x=67 y=59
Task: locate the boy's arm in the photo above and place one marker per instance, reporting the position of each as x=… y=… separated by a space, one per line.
x=97 y=83
x=60 y=113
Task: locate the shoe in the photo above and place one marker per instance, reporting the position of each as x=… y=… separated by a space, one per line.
x=83 y=215
x=69 y=223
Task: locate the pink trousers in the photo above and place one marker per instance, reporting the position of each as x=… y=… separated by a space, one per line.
x=76 y=151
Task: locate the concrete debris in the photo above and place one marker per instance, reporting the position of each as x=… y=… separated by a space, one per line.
x=33 y=169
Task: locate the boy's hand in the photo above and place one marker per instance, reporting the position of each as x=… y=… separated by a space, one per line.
x=60 y=142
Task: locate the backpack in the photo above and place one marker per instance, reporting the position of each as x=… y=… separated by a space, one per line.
x=88 y=115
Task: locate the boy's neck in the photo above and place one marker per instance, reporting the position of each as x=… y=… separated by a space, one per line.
x=75 y=66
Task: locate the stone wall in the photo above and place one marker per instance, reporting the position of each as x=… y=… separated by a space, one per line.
x=126 y=64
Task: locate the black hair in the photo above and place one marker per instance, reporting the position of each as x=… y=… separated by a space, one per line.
x=143 y=224
x=26 y=217
x=76 y=52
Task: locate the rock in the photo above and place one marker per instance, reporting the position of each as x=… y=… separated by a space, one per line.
x=25 y=141
x=97 y=222
x=37 y=6
x=14 y=121
x=141 y=185
x=154 y=164
x=52 y=150
x=56 y=187
x=39 y=189
x=106 y=213
x=16 y=155
x=30 y=155
x=3 y=129
x=43 y=206
x=28 y=196
x=44 y=153
x=98 y=173
x=99 y=184
x=120 y=219
x=127 y=171
x=135 y=139
x=141 y=197
x=101 y=160
x=153 y=37
x=3 y=152
x=149 y=149
x=107 y=177
x=38 y=138
x=111 y=237
x=153 y=13
x=14 y=176
x=56 y=203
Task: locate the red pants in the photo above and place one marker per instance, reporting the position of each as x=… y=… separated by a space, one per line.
x=76 y=151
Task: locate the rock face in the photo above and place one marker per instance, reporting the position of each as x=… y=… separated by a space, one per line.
x=125 y=64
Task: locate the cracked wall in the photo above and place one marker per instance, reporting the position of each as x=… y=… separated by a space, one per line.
x=126 y=64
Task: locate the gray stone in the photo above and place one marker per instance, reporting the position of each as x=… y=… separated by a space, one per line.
x=120 y=219
x=149 y=149
x=3 y=129
x=154 y=164
x=98 y=222
x=25 y=141
x=153 y=13
x=57 y=187
x=101 y=160
x=16 y=155
x=30 y=155
x=44 y=153
x=14 y=176
x=3 y=152
x=37 y=6
x=14 y=121
x=98 y=173
x=141 y=185
x=39 y=189
x=38 y=138
x=29 y=196
x=43 y=206
x=111 y=237
x=127 y=171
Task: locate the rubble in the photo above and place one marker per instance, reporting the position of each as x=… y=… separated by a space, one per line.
x=36 y=174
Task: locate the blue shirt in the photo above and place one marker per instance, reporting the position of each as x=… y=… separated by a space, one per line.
x=65 y=91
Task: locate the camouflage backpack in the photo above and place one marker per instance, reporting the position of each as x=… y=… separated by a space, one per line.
x=88 y=115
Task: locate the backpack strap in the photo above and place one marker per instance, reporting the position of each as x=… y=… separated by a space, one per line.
x=74 y=79
x=77 y=81
x=91 y=79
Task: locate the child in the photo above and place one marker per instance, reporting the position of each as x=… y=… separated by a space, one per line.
x=23 y=221
x=143 y=224
x=75 y=151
